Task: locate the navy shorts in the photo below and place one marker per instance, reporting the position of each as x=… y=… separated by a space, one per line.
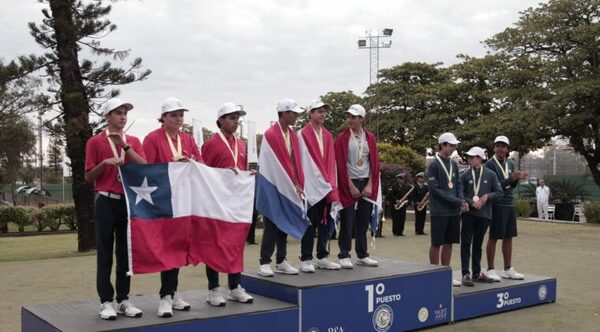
x=445 y=230
x=504 y=222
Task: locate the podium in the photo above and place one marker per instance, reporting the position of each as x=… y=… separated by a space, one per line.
x=264 y=314
x=394 y=296
x=486 y=299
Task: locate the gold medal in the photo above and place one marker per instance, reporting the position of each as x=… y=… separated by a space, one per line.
x=359 y=162
x=475 y=198
x=450 y=185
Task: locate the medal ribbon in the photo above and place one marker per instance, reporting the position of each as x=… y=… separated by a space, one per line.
x=477 y=184
x=234 y=152
x=504 y=169
x=114 y=148
x=286 y=138
x=319 y=135
x=448 y=174
x=176 y=152
x=361 y=146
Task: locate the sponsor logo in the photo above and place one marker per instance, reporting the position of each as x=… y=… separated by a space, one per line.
x=336 y=329
x=383 y=317
x=423 y=314
x=504 y=300
x=440 y=313
x=542 y=292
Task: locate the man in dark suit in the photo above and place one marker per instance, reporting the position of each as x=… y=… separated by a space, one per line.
x=417 y=196
x=396 y=193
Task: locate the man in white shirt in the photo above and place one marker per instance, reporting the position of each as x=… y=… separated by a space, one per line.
x=542 y=194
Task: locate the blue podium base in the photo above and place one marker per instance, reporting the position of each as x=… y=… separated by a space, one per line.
x=394 y=296
x=487 y=299
x=264 y=314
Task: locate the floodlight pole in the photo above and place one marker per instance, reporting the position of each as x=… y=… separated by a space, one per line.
x=374 y=40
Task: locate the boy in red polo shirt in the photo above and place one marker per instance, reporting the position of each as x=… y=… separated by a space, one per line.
x=167 y=144
x=104 y=153
x=224 y=150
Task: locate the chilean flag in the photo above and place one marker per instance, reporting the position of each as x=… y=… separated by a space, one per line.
x=186 y=213
x=278 y=175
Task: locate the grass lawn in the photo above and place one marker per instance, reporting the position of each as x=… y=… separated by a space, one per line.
x=46 y=269
x=27 y=248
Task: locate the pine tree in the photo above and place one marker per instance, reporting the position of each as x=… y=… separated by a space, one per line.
x=78 y=85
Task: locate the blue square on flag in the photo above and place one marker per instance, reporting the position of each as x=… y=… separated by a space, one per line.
x=148 y=190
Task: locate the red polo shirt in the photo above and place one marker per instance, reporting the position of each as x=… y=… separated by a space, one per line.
x=97 y=150
x=158 y=150
x=217 y=154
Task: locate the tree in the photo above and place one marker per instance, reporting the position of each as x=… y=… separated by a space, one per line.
x=494 y=96
x=562 y=36
x=401 y=155
x=55 y=154
x=409 y=104
x=334 y=120
x=17 y=140
x=79 y=85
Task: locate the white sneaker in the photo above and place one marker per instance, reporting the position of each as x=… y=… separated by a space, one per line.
x=180 y=304
x=492 y=275
x=107 y=311
x=165 y=307
x=285 y=268
x=325 y=263
x=456 y=283
x=215 y=298
x=367 y=261
x=239 y=294
x=307 y=266
x=345 y=263
x=128 y=309
x=265 y=270
x=512 y=274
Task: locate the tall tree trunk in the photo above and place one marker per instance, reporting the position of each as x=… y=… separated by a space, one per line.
x=76 y=115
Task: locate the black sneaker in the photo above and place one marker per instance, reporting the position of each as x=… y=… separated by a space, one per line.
x=466 y=281
x=483 y=278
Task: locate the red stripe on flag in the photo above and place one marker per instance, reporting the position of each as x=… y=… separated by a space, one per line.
x=159 y=244
x=218 y=244
x=168 y=243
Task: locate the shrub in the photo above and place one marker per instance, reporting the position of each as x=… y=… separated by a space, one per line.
x=38 y=218
x=523 y=208
x=402 y=155
x=21 y=216
x=61 y=214
x=591 y=210
x=566 y=191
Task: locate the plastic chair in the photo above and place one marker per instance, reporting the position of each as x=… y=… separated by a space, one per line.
x=551 y=209
x=578 y=212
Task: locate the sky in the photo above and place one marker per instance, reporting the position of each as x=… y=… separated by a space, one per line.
x=255 y=53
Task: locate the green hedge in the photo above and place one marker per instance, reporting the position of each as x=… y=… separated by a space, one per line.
x=523 y=208
x=49 y=217
x=591 y=210
x=21 y=216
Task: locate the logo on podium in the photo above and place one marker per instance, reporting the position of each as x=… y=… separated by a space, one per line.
x=383 y=318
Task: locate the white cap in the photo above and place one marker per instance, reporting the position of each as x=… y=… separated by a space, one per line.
x=356 y=110
x=171 y=105
x=113 y=104
x=476 y=151
x=287 y=104
x=317 y=103
x=502 y=139
x=448 y=138
x=229 y=108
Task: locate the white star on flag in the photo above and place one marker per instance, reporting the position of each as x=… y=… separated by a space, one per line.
x=143 y=192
